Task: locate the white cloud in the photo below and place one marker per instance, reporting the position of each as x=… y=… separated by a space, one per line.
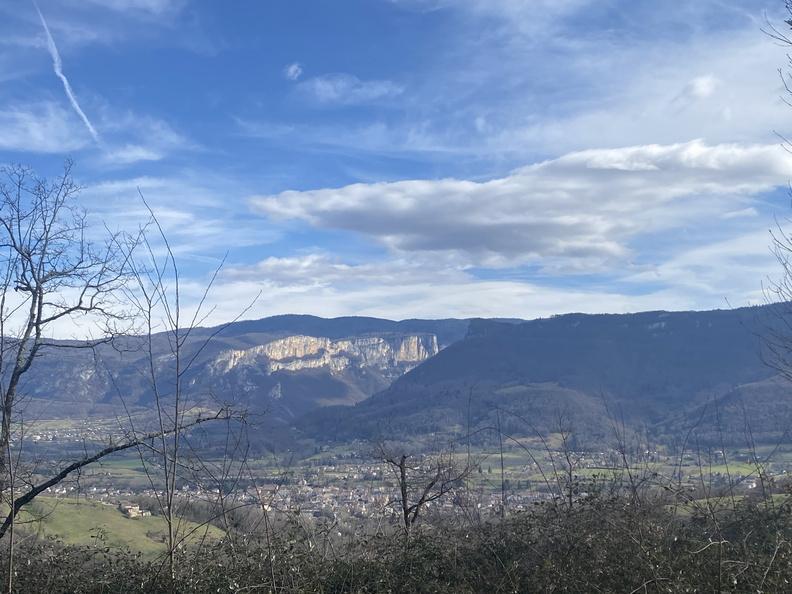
x=320 y=284
x=43 y=127
x=702 y=87
x=404 y=288
x=293 y=71
x=575 y=213
x=132 y=153
x=324 y=270
x=347 y=89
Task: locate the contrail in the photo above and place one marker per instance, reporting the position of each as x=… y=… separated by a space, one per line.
x=57 y=65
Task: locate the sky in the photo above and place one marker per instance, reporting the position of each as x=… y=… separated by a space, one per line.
x=419 y=158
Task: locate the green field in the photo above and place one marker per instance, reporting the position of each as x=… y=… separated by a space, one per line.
x=83 y=522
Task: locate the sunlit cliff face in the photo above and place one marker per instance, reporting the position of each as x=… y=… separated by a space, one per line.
x=295 y=353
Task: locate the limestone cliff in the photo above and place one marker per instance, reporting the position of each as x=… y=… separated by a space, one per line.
x=394 y=354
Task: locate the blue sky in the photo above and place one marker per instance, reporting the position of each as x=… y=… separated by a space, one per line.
x=419 y=158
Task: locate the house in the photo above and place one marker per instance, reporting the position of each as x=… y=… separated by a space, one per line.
x=132 y=510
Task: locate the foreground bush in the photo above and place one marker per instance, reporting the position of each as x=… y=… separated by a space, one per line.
x=599 y=545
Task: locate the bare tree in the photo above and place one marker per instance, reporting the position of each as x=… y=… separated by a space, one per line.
x=777 y=336
x=421 y=480
x=777 y=333
x=51 y=272
x=155 y=292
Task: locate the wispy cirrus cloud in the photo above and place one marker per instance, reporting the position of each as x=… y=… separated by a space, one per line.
x=587 y=72
x=347 y=89
x=192 y=207
x=479 y=109
x=138 y=137
x=729 y=268
x=42 y=127
x=48 y=127
x=520 y=15
x=324 y=269
x=720 y=88
x=150 y=7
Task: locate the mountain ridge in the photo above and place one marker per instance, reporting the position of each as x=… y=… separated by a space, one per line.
x=646 y=367
x=284 y=365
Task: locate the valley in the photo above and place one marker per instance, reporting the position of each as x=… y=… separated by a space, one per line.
x=529 y=408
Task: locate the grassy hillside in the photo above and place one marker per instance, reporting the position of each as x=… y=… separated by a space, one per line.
x=82 y=522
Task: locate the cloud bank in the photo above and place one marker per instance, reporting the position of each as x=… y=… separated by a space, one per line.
x=578 y=212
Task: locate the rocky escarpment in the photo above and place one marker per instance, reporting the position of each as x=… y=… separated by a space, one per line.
x=390 y=354
x=280 y=367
